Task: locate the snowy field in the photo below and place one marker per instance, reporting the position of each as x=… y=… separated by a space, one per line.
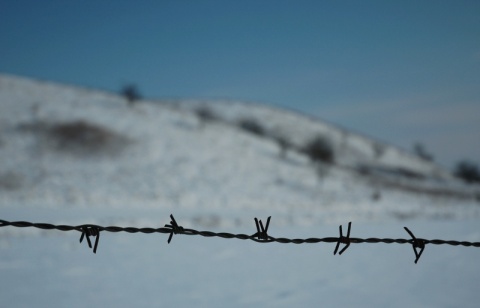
x=53 y=270
x=152 y=159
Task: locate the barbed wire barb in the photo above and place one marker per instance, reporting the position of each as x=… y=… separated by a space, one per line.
x=416 y=243
x=343 y=239
x=175 y=228
x=91 y=231
x=261 y=236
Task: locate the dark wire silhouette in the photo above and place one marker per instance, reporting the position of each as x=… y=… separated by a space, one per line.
x=261 y=236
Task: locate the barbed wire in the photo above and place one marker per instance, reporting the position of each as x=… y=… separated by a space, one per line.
x=261 y=236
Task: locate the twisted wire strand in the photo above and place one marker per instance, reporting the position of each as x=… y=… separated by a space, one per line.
x=225 y=235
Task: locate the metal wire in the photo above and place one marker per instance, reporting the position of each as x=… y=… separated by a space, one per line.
x=261 y=236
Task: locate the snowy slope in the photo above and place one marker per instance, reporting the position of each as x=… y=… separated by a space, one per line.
x=72 y=155
x=350 y=149
x=162 y=156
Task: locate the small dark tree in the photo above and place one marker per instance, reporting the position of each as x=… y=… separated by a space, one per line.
x=251 y=126
x=319 y=149
x=420 y=151
x=468 y=172
x=205 y=114
x=131 y=93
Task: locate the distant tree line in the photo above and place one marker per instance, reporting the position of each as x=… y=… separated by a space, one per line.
x=317 y=149
x=465 y=170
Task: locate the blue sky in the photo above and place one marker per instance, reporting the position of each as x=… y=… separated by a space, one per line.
x=398 y=71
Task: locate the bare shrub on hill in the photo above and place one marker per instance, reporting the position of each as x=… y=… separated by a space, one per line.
x=420 y=151
x=407 y=173
x=468 y=172
x=319 y=149
x=80 y=137
x=389 y=172
x=131 y=93
x=252 y=126
x=205 y=114
x=77 y=137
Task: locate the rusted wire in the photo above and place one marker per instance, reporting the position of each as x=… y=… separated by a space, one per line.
x=260 y=236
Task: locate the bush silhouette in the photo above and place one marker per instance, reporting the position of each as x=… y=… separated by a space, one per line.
x=131 y=93
x=205 y=114
x=420 y=151
x=468 y=172
x=252 y=126
x=319 y=149
x=79 y=132
x=81 y=137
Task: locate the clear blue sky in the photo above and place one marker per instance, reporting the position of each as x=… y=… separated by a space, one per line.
x=399 y=71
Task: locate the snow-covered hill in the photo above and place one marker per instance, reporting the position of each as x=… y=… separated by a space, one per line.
x=70 y=147
x=72 y=155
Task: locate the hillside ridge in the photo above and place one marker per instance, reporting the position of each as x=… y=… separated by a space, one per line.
x=63 y=146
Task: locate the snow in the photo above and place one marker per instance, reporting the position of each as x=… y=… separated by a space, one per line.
x=215 y=176
x=142 y=270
